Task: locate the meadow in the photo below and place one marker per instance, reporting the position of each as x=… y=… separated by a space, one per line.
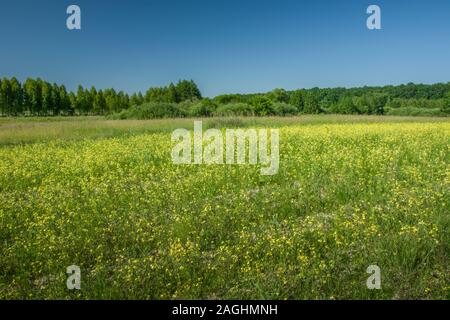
x=351 y=191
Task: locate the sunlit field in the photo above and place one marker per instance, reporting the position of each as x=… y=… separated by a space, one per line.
x=104 y=195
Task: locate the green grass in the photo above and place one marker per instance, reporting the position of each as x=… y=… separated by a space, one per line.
x=104 y=195
x=33 y=129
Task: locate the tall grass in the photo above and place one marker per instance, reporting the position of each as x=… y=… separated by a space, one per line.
x=31 y=130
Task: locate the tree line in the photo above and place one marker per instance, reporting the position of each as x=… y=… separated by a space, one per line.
x=36 y=97
x=428 y=99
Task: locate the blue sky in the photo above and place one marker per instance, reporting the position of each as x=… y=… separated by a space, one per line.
x=226 y=46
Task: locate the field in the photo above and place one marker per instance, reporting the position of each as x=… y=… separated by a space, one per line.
x=104 y=195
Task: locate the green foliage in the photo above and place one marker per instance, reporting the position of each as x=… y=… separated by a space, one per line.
x=284 y=109
x=99 y=103
x=184 y=90
x=234 y=98
x=40 y=98
x=234 y=109
x=36 y=97
x=311 y=104
x=150 y=110
x=296 y=99
x=445 y=108
x=5 y=96
x=187 y=90
x=203 y=108
x=263 y=106
x=346 y=105
x=47 y=102
x=413 y=111
x=136 y=99
x=278 y=95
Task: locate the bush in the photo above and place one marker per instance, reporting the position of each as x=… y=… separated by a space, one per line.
x=186 y=106
x=345 y=105
x=285 y=109
x=234 y=109
x=445 y=108
x=263 y=106
x=413 y=111
x=204 y=108
x=152 y=110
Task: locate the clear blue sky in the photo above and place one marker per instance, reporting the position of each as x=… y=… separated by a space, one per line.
x=226 y=46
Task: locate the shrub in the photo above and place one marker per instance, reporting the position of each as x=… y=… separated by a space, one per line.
x=263 y=106
x=413 y=111
x=234 y=109
x=186 y=106
x=445 y=108
x=152 y=110
x=346 y=105
x=204 y=108
x=285 y=109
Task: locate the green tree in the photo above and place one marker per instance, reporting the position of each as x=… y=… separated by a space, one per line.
x=347 y=106
x=47 y=102
x=445 y=108
x=56 y=100
x=99 y=103
x=311 y=104
x=73 y=104
x=123 y=100
x=5 y=96
x=82 y=102
x=155 y=95
x=296 y=99
x=263 y=106
x=134 y=100
x=2 y=111
x=278 y=95
x=140 y=98
x=33 y=96
x=377 y=103
x=172 y=94
x=112 y=104
x=187 y=90
x=64 y=100
x=16 y=96
x=91 y=96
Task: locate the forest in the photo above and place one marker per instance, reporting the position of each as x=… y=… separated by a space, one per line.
x=36 y=97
